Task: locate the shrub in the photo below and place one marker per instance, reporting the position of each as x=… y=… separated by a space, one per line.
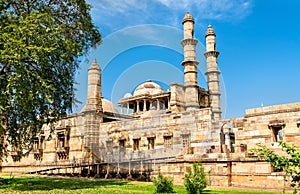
x=195 y=181
x=163 y=184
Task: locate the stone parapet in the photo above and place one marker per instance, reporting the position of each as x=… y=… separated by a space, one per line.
x=276 y=109
x=228 y=173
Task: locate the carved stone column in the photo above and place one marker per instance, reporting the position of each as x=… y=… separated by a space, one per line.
x=145 y=106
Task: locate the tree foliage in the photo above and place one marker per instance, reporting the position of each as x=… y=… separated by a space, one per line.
x=40 y=42
x=195 y=181
x=163 y=184
x=290 y=163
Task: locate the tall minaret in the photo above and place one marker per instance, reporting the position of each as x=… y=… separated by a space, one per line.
x=213 y=73
x=93 y=112
x=94 y=93
x=190 y=64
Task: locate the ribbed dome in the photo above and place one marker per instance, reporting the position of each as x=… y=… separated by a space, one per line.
x=148 y=87
x=108 y=106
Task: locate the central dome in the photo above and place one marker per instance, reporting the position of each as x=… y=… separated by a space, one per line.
x=148 y=87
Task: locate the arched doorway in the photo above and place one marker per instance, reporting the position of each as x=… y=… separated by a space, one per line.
x=227 y=138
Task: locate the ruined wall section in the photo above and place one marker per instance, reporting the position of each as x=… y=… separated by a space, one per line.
x=268 y=125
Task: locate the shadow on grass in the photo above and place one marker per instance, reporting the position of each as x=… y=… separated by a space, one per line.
x=46 y=184
x=206 y=191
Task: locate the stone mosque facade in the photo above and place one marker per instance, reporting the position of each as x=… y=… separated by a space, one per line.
x=165 y=130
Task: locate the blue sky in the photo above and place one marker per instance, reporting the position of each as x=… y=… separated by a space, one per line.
x=258 y=41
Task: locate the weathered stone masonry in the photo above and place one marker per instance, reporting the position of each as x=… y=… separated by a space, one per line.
x=166 y=130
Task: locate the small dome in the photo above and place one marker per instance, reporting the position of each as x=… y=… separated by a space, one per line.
x=127 y=95
x=148 y=87
x=108 y=106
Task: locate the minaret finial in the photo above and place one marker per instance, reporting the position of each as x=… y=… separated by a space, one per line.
x=210 y=31
x=95 y=65
x=188 y=17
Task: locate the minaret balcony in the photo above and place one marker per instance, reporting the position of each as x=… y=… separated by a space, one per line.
x=189 y=41
x=185 y=62
x=212 y=71
x=211 y=54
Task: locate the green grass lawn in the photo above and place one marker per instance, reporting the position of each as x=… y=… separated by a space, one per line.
x=77 y=185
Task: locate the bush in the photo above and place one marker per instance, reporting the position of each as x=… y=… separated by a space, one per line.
x=195 y=181
x=163 y=184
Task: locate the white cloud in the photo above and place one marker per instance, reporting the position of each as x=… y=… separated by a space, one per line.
x=117 y=14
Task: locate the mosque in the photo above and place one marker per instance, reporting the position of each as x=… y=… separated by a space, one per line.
x=165 y=130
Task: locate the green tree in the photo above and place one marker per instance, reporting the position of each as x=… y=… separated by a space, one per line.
x=40 y=42
x=163 y=184
x=289 y=163
x=195 y=181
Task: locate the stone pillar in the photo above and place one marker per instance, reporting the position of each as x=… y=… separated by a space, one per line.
x=213 y=73
x=151 y=105
x=157 y=105
x=128 y=110
x=190 y=64
x=107 y=176
x=89 y=171
x=227 y=141
x=98 y=172
x=137 y=106
x=145 y=106
x=122 y=107
x=129 y=176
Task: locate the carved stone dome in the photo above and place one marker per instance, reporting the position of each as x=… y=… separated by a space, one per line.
x=108 y=106
x=148 y=87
